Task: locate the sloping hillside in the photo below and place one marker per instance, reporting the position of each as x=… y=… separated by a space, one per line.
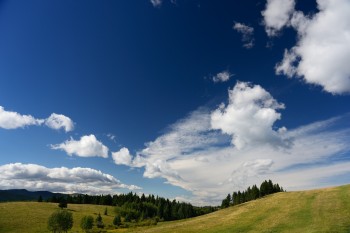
x=323 y=210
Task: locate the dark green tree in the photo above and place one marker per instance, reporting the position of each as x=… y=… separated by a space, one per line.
x=86 y=223
x=106 y=212
x=270 y=188
x=117 y=221
x=63 y=204
x=60 y=221
x=40 y=199
x=264 y=188
x=99 y=222
x=226 y=202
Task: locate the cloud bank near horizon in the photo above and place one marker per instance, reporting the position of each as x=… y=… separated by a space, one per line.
x=60 y=179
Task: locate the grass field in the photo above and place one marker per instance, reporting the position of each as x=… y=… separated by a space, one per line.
x=324 y=210
x=22 y=217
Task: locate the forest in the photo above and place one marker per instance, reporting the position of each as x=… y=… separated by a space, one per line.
x=132 y=207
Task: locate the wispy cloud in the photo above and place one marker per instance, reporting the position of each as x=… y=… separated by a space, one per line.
x=87 y=146
x=156 y=3
x=111 y=137
x=247 y=34
x=66 y=180
x=223 y=76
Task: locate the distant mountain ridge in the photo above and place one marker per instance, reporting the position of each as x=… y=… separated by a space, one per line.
x=25 y=195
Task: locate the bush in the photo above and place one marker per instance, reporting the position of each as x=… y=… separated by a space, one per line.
x=60 y=221
x=117 y=221
x=87 y=223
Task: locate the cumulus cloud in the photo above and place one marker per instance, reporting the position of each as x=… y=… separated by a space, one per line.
x=249 y=116
x=122 y=157
x=277 y=15
x=14 y=120
x=323 y=48
x=223 y=76
x=201 y=160
x=87 y=146
x=211 y=168
x=66 y=180
x=247 y=34
x=58 y=121
x=156 y=3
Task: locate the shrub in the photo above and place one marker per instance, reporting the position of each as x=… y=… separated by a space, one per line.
x=87 y=223
x=117 y=221
x=60 y=221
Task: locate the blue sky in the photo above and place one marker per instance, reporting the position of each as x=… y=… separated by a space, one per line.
x=183 y=99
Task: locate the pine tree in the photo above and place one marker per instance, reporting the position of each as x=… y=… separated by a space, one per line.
x=99 y=222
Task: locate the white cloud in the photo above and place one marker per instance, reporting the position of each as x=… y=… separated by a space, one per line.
x=223 y=76
x=247 y=34
x=75 y=180
x=122 y=157
x=87 y=146
x=14 y=120
x=216 y=169
x=249 y=116
x=193 y=156
x=277 y=15
x=58 y=121
x=156 y=3
x=322 y=52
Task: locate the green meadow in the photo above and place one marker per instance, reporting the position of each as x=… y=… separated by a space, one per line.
x=323 y=210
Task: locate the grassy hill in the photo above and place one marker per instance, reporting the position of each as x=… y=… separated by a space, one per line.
x=323 y=210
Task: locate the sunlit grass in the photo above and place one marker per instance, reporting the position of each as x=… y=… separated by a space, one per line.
x=324 y=210
x=18 y=217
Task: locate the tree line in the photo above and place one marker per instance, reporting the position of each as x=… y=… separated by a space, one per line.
x=251 y=193
x=132 y=207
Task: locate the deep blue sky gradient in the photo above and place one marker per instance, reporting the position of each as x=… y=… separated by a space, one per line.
x=127 y=68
